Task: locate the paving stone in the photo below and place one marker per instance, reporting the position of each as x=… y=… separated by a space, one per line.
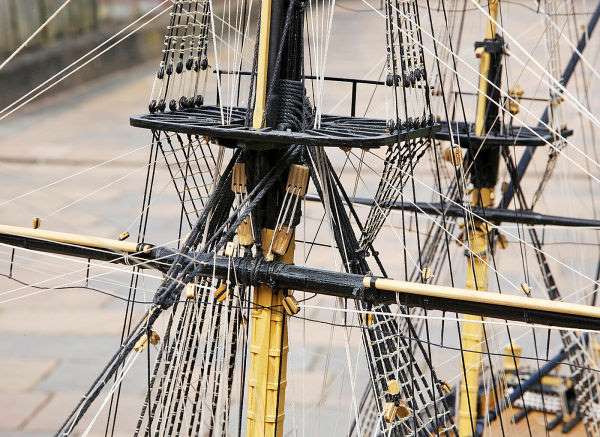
x=61 y=404
x=84 y=322
x=77 y=374
x=22 y=434
x=16 y=409
x=22 y=375
x=96 y=348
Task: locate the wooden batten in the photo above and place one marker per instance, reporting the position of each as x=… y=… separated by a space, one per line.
x=75 y=239
x=465 y=295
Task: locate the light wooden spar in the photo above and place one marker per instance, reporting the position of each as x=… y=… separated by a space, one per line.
x=76 y=240
x=263 y=64
x=507 y=301
x=267 y=375
x=268 y=347
x=477 y=264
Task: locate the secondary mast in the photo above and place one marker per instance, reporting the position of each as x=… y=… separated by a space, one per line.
x=279 y=93
x=484 y=174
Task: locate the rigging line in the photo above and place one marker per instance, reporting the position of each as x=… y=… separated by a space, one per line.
x=134 y=278
x=473 y=254
x=458 y=174
x=392 y=63
x=330 y=188
x=574 y=48
x=551 y=80
x=505 y=110
x=216 y=55
x=126 y=368
x=412 y=164
x=76 y=174
x=96 y=191
x=407 y=253
x=170 y=345
x=492 y=226
x=75 y=287
x=220 y=37
x=187 y=185
x=514 y=3
x=63 y=258
x=490 y=242
x=34 y=34
x=355 y=406
x=508 y=98
x=344 y=196
x=85 y=262
x=52 y=265
x=52 y=269
x=66 y=285
x=488 y=321
x=522 y=249
x=106 y=373
x=7 y=108
x=185 y=343
x=537 y=362
x=313 y=243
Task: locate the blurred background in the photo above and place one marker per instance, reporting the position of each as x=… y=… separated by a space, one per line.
x=80 y=27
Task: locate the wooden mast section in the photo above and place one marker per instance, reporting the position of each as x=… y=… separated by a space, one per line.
x=262 y=65
x=268 y=342
x=472 y=335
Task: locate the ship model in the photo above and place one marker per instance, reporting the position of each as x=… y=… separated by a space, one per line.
x=382 y=230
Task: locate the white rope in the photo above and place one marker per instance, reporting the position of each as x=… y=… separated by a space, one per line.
x=7 y=111
x=505 y=95
x=550 y=81
x=34 y=34
x=491 y=226
x=449 y=318
x=126 y=368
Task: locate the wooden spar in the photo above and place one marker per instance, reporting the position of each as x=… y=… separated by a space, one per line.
x=263 y=64
x=79 y=240
x=268 y=343
x=484 y=68
x=335 y=283
x=473 y=296
x=472 y=334
x=267 y=374
x=492 y=215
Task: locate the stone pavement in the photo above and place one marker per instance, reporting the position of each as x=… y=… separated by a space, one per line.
x=53 y=343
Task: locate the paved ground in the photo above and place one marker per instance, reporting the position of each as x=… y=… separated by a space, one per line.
x=53 y=343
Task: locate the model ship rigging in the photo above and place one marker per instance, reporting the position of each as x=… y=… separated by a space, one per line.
x=227 y=291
